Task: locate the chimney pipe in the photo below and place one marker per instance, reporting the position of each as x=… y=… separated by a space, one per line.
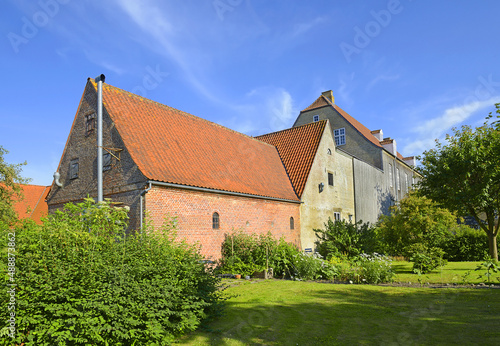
x=99 y=80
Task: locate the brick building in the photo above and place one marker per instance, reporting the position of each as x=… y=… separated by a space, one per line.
x=162 y=162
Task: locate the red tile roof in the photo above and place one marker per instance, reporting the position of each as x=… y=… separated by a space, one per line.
x=323 y=101
x=33 y=204
x=172 y=146
x=297 y=148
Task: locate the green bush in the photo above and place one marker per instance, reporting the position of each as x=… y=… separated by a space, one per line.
x=466 y=244
x=426 y=259
x=246 y=253
x=370 y=269
x=81 y=280
x=415 y=220
x=342 y=238
x=312 y=267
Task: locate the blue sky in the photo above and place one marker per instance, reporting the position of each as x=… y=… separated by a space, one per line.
x=413 y=68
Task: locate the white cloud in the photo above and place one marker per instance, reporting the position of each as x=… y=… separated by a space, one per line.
x=263 y=110
x=436 y=128
x=157 y=23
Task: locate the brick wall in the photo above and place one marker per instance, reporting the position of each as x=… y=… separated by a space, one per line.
x=122 y=182
x=194 y=210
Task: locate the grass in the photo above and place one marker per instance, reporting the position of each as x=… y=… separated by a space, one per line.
x=452 y=273
x=276 y=312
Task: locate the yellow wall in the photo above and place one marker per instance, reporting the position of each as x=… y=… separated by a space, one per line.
x=318 y=207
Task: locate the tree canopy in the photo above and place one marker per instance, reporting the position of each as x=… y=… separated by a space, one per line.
x=415 y=220
x=10 y=178
x=464 y=175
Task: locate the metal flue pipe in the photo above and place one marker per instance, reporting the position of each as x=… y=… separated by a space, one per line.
x=99 y=80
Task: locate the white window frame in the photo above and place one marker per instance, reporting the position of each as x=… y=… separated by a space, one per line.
x=398 y=183
x=391 y=184
x=339 y=135
x=315 y=118
x=336 y=216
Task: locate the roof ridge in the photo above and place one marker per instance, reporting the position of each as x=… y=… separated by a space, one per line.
x=172 y=108
x=293 y=128
x=217 y=158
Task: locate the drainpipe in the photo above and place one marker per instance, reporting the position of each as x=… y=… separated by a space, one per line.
x=57 y=176
x=99 y=80
x=142 y=198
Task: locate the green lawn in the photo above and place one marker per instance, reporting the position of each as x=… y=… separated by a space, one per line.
x=276 y=312
x=452 y=273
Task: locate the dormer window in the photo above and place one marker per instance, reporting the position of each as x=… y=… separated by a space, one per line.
x=90 y=123
x=316 y=118
x=339 y=136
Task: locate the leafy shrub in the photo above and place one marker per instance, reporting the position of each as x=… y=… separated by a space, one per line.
x=415 y=220
x=82 y=280
x=341 y=238
x=466 y=244
x=426 y=259
x=235 y=265
x=371 y=269
x=247 y=253
x=313 y=267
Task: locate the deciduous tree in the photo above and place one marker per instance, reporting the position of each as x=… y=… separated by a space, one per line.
x=10 y=178
x=464 y=175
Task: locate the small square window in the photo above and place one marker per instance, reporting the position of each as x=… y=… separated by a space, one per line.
x=316 y=118
x=330 y=179
x=73 y=169
x=90 y=123
x=106 y=162
x=339 y=136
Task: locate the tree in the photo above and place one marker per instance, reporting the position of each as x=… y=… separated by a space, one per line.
x=341 y=237
x=464 y=176
x=415 y=222
x=10 y=178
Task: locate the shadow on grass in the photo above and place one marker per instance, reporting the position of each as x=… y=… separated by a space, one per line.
x=276 y=313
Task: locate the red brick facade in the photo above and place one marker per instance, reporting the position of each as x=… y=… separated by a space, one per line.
x=194 y=210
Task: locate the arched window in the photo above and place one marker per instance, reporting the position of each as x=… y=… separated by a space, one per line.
x=292 y=225
x=215 y=221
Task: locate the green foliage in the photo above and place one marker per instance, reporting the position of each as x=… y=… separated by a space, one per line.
x=81 y=280
x=234 y=265
x=341 y=238
x=466 y=244
x=464 y=176
x=247 y=253
x=416 y=220
x=10 y=178
x=491 y=267
x=370 y=269
x=313 y=267
x=425 y=259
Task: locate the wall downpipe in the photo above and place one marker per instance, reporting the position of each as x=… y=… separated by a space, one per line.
x=99 y=80
x=57 y=176
x=142 y=199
